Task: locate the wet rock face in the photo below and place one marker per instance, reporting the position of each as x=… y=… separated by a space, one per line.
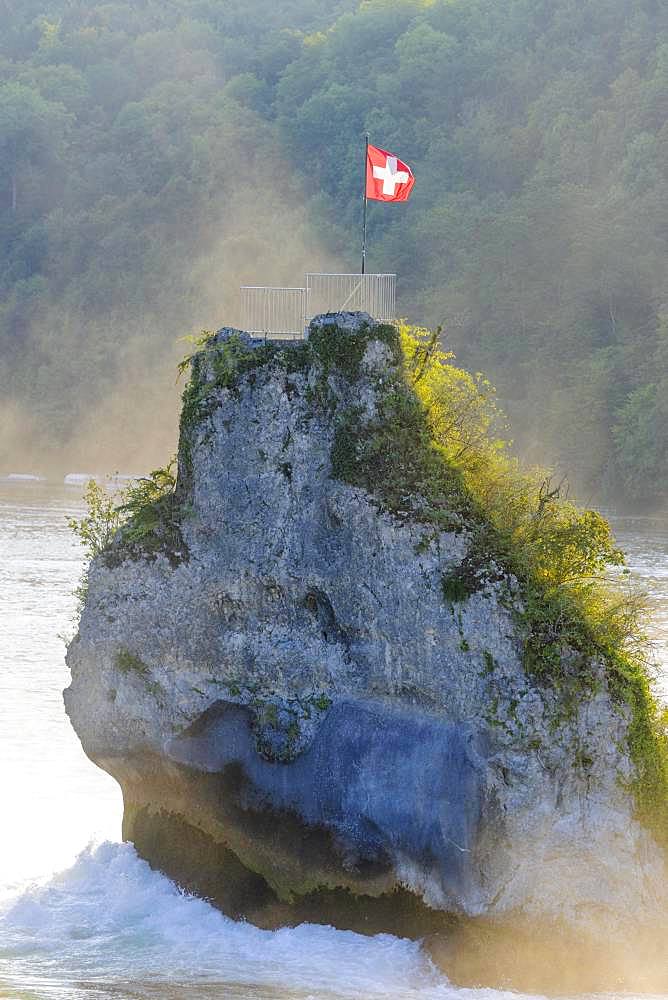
x=304 y=724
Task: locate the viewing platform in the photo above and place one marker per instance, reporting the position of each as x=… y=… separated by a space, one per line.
x=284 y=313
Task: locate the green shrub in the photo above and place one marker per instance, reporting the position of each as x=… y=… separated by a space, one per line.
x=97 y=529
x=139 y=521
x=148 y=508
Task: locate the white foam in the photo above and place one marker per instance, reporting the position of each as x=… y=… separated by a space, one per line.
x=80 y=478
x=111 y=917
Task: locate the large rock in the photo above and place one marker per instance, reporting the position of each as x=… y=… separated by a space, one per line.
x=306 y=726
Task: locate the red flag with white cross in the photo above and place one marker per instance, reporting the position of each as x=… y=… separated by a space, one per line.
x=387 y=177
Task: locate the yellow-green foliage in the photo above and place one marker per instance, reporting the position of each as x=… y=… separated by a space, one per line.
x=102 y=520
x=558 y=552
x=141 y=520
x=554 y=547
x=95 y=531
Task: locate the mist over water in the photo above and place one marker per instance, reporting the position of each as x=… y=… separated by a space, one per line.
x=81 y=916
x=115 y=405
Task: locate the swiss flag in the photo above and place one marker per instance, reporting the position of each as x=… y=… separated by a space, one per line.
x=387 y=177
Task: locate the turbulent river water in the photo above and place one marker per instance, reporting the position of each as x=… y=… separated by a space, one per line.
x=81 y=916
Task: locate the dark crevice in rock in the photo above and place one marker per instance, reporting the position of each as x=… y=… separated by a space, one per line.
x=319 y=604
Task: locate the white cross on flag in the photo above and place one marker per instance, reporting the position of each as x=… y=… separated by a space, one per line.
x=387 y=178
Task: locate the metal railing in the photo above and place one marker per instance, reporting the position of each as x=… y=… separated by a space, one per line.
x=284 y=312
x=279 y=312
x=371 y=293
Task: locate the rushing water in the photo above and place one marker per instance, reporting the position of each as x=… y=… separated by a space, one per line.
x=81 y=916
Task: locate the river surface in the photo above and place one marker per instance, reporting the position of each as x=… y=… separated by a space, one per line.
x=81 y=916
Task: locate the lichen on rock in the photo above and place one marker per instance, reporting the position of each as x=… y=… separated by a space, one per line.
x=334 y=718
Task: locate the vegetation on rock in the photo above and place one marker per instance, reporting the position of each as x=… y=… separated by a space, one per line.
x=152 y=516
x=128 y=663
x=136 y=522
x=97 y=530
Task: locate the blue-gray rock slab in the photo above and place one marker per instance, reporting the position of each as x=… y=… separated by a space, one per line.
x=364 y=777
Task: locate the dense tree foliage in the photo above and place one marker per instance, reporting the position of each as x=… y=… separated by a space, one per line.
x=154 y=154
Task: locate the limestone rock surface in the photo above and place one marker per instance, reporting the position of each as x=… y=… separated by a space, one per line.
x=304 y=726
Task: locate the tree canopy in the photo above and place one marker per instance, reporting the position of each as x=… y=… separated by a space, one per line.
x=155 y=155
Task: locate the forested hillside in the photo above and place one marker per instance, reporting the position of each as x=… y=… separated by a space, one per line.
x=154 y=155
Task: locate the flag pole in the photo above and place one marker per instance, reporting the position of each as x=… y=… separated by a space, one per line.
x=366 y=160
